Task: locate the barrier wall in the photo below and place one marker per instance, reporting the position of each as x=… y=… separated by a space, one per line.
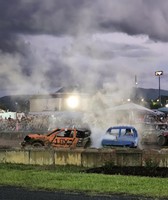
x=85 y=157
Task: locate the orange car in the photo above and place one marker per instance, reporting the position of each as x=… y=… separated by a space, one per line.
x=65 y=137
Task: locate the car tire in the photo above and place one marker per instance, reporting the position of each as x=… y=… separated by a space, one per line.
x=37 y=144
x=88 y=144
x=162 y=141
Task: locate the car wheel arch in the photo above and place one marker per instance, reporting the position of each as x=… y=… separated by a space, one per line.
x=161 y=140
x=37 y=143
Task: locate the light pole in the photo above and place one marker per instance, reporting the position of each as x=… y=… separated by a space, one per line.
x=16 y=104
x=159 y=73
x=136 y=88
x=136 y=82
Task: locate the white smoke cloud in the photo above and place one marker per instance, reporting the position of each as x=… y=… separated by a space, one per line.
x=81 y=42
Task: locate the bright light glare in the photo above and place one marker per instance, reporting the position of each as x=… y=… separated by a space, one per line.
x=73 y=101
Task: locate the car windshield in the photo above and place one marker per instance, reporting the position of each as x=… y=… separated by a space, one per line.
x=50 y=133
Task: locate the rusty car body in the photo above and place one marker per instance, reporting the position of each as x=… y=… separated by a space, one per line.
x=64 y=137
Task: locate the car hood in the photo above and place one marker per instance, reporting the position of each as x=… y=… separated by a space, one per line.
x=36 y=136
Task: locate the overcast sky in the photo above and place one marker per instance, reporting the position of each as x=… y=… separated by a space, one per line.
x=46 y=44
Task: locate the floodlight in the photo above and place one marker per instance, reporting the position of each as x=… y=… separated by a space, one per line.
x=73 y=101
x=158 y=73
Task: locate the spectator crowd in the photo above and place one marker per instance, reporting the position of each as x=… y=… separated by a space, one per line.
x=43 y=123
x=27 y=123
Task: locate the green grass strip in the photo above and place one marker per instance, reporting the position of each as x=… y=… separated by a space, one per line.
x=74 y=179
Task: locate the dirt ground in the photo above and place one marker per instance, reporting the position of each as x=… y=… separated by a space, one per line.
x=161 y=172
x=6 y=143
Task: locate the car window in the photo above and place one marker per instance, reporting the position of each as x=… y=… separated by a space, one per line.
x=114 y=132
x=80 y=134
x=71 y=134
x=127 y=132
x=61 y=134
x=123 y=132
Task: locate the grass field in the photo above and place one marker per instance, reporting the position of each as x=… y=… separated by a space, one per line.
x=71 y=178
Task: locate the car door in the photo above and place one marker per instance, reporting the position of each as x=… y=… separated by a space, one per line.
x=111 y=138
x=64 y=138
x=127 y=136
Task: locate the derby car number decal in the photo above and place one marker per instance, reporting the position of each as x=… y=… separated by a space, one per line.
x=63 y=141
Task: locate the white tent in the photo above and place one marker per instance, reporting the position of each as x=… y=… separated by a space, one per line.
x=132 y=113
x=132 y=107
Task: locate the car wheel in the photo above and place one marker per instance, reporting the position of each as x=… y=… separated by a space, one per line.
x=162 y=140
x=37 y=144
x=88 y=144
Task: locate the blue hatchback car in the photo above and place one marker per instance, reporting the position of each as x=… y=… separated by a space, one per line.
x=125 y=136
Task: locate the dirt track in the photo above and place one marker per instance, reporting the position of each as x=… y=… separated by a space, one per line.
x=6 y=143
x=15 y=143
